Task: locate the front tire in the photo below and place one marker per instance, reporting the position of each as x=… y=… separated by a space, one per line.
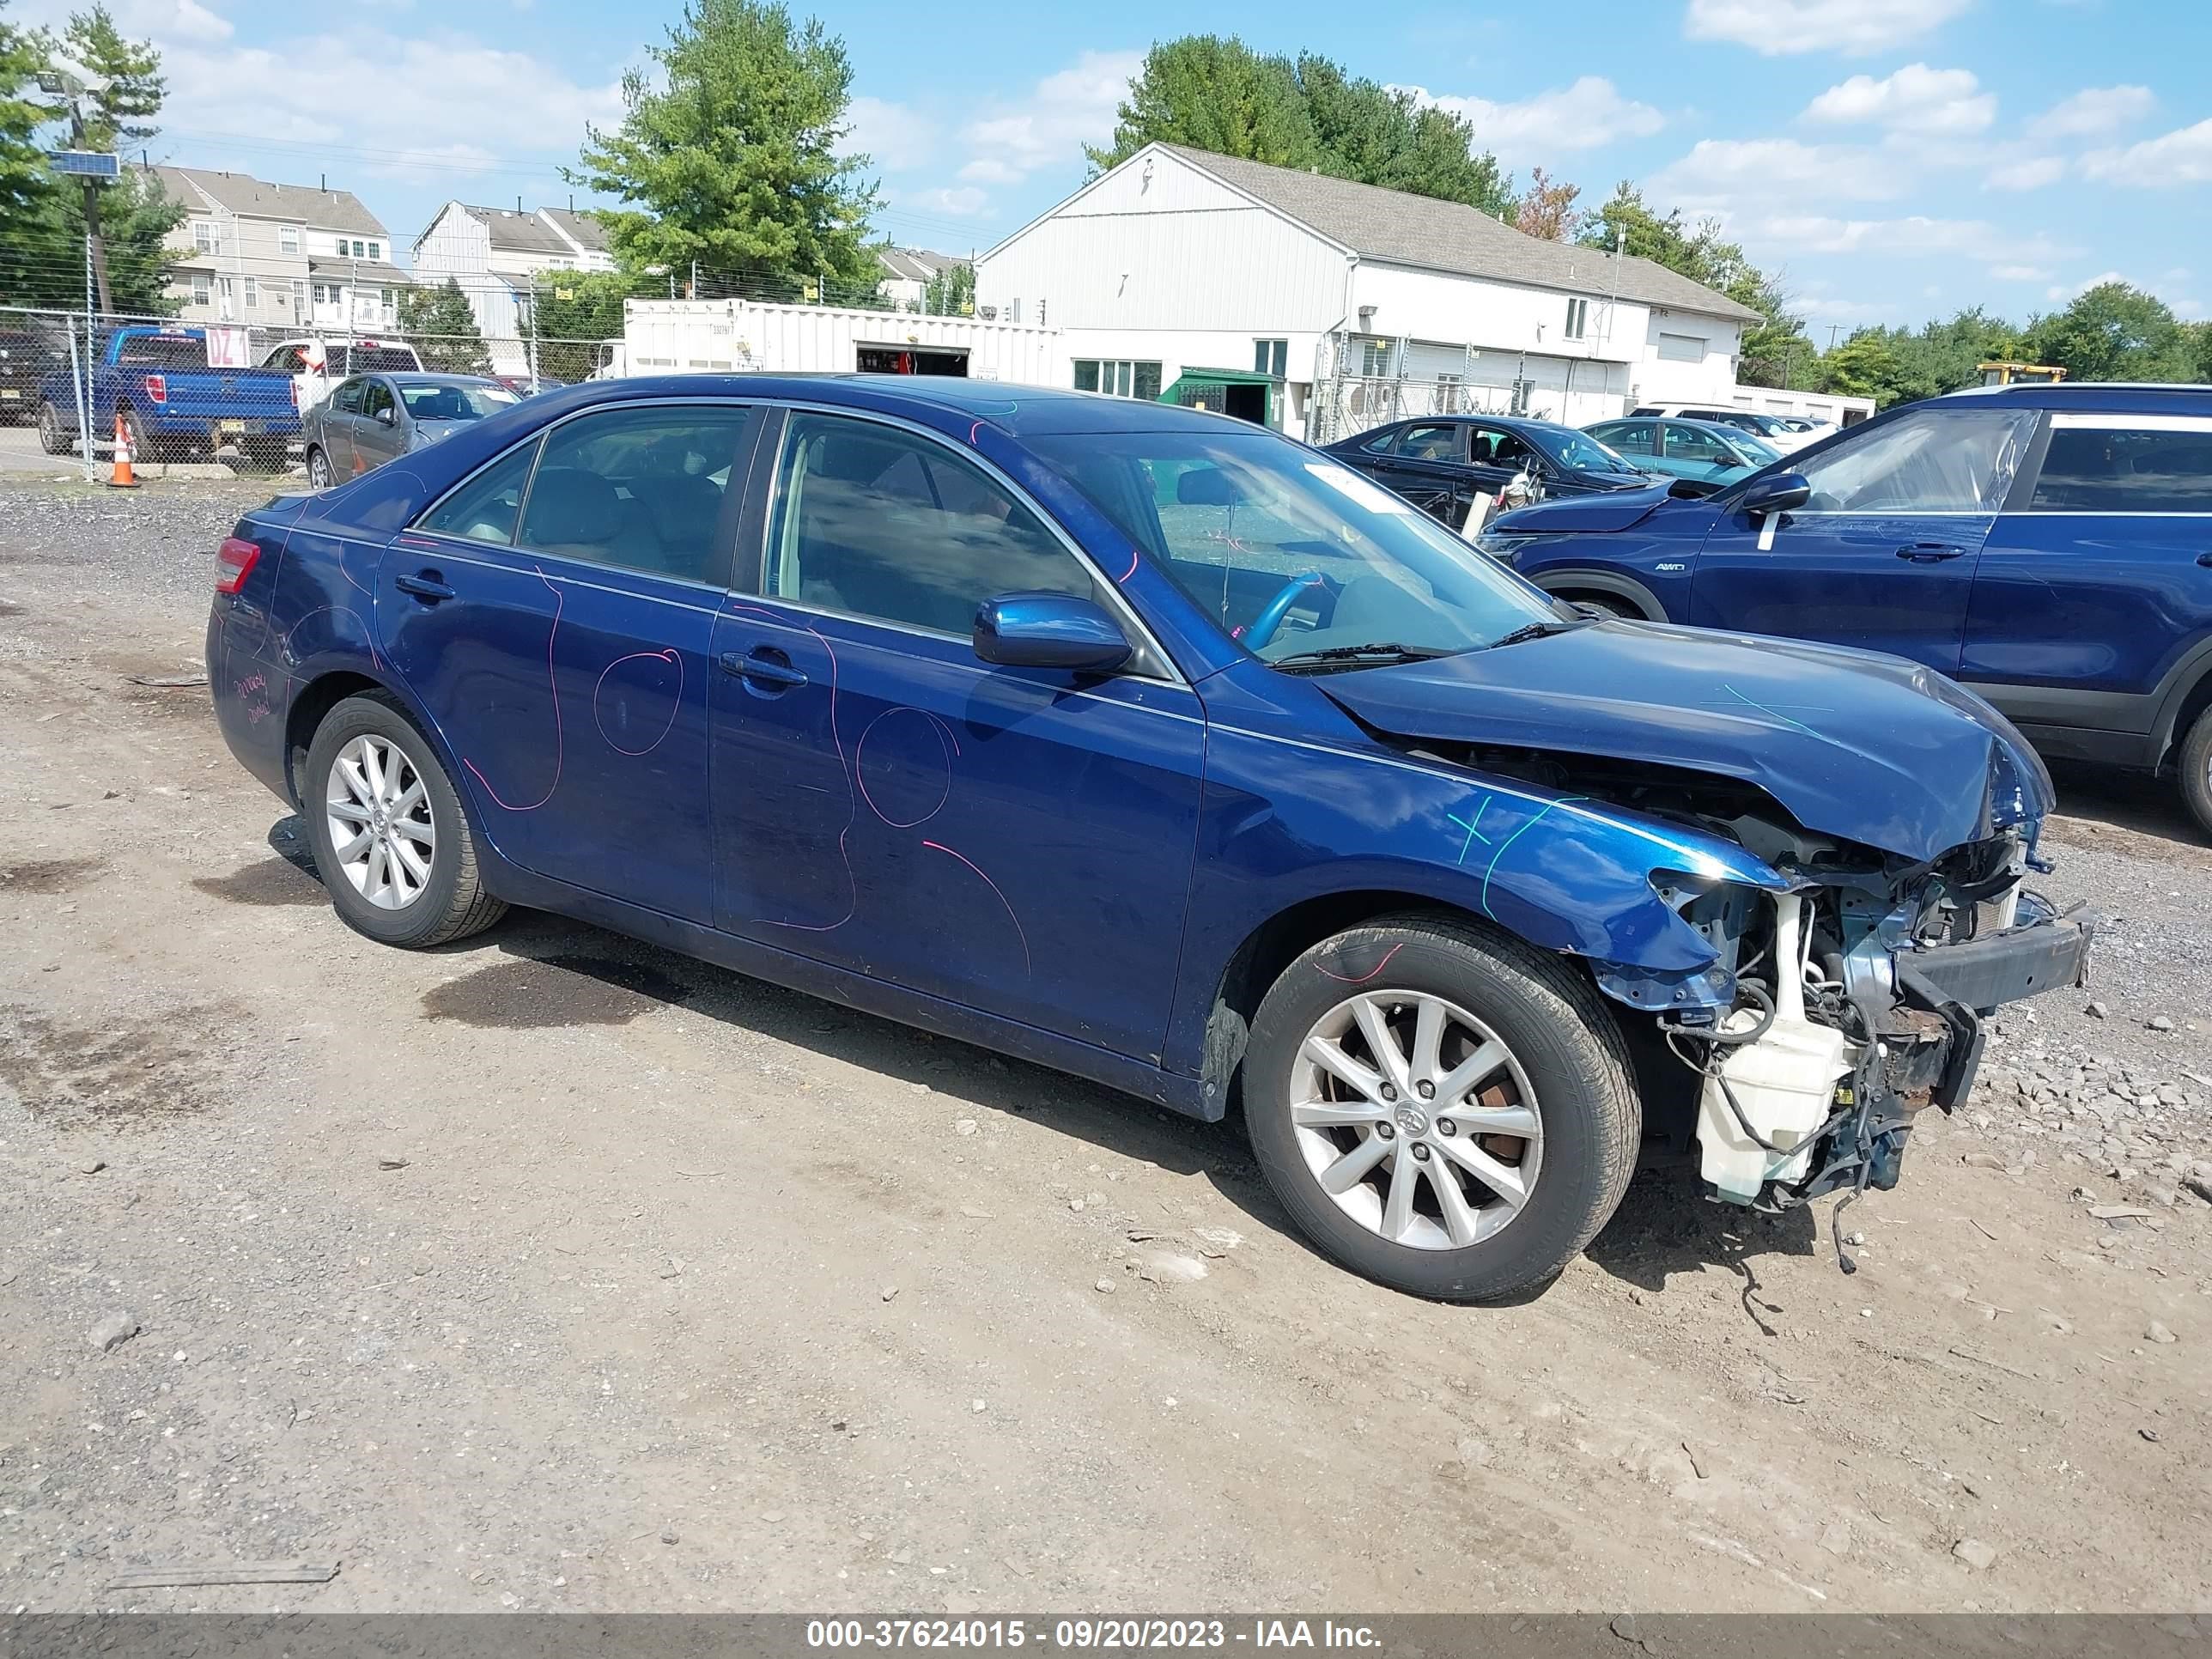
x=53 y=437
x=1441 y=1107
x=393 y=843
x=318 y=469
x=2195 y=764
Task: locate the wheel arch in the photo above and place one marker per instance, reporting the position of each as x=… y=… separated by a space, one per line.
x=318 y=693
x=2186 y=697
x=1571 y=583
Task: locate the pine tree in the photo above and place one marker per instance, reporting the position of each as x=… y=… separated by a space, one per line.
x=442 y=328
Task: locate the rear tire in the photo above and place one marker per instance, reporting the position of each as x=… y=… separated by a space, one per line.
x=407 y=874
x=2195 y=763
x=53 y=437
x=1525 y=1103
x=318 y=469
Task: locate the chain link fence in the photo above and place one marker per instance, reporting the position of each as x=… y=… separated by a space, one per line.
x=1346 y=405
x=56 y=378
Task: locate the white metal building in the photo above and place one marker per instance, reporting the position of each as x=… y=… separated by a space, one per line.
x=496 y=255
x=1335 y=306
x=722 y=336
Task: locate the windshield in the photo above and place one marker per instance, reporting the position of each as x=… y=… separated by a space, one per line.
x=455 y=403
x=1290 y=552
x=1755 y=451
x=1585 y=453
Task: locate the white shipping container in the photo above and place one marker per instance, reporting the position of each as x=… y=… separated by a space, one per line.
x=725 y=337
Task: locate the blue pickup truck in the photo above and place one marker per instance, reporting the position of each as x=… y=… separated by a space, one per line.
x=2048 y=546
x=156 y=377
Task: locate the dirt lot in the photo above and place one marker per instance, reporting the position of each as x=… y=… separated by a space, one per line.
x=552 y=1271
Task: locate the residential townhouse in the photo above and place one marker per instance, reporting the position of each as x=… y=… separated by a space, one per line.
x=497 y=254
x=278 y=255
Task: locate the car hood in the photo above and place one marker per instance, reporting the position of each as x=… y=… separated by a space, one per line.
x=1610 y=509
x=1866 y=748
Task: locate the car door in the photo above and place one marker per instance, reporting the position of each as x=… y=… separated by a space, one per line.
x=1637 y=440
x=1882 y=555
x=1496 y=454
x=377 y=437
x=1428 y=467
x=553 y=616
x=341 y=415
x=2096 y=582
x=1015 y=840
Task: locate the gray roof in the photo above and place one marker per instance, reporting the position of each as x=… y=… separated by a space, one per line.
x=916 y=264
x=365 y=270
x=241 y=193
x=588 y=231
x=1403 y=228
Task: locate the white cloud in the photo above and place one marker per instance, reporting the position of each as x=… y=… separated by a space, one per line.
x=1583 y=116
x=1774 y=28
x=1916 y=99
x=1722 y=175
x=1911 y=236
x=2020 y=273
x=2073 y=290
x=2095 y=110
x=2032 y=173
x=963 y=200
x=1049 y=126
x=895 y=138
x=2182 y=156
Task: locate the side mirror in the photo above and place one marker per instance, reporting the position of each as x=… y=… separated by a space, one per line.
x=388 y=415
x=1775 y=492
x=1049 y=630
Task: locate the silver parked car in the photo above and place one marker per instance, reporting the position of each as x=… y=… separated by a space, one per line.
x=374 y=418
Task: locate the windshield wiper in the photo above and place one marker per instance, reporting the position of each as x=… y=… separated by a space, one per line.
x=1538 y=630
x=1358 y=656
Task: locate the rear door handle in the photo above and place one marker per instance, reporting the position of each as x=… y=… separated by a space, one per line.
x=426 y=587
x=756 y=666
x=1929 y=552
x=2205 y=559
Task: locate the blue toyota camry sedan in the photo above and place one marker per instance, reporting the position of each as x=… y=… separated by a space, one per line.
x=1149 y=745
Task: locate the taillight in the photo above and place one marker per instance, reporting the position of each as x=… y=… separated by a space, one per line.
x=234 y=563
x=157 y=388
x=295 y=397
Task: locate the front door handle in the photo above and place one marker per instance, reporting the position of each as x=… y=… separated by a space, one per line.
x=427 y=587
x=2205 y=559
x=1929 y=552
x=758 y=666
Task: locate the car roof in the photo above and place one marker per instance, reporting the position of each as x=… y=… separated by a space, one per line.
x=428 y=377
x=2112 y=397
x=943 y=402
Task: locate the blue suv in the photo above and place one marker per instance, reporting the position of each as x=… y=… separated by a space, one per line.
x=2049 y=546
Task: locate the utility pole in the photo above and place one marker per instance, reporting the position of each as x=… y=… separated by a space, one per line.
x=76 y=83
x=1832 y=327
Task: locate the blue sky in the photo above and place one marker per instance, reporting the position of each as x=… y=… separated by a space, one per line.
x=1897 y=158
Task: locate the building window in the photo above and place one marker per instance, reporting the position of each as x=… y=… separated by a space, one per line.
x=204 y=240
x=299 y=294
x=1374 y=358
x=1682 y=348
x=1271 y=357
x=1118 y=378
x=1578 y=319
x=227 y=291
x=288 y=239
x=376 y=251
x=202 y=289
x=252 y=291
x=1013 y=311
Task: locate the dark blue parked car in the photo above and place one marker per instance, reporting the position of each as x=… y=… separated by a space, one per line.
x=1442 y=463
x=2049 y=546
x=1160 y=749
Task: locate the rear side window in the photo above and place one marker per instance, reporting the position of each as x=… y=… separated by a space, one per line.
x=1628 y=440
x=639 y=488
x=2095 y=468
x=346 y=400
x=162 y=351
x=484 y=509
x=1433 y=443
x=385 y=358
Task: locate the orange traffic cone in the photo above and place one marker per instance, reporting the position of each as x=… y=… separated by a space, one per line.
x=121 y=478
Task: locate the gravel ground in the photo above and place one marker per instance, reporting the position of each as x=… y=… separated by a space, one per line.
x=548 y=1271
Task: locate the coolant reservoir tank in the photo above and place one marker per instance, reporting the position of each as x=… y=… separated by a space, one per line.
x=1785 y=1082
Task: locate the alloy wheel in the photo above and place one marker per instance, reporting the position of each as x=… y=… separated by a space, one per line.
x=318 y=469
x=381 y=830
x=1416 y=1119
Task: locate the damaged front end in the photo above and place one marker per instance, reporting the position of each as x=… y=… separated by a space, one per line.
x=1858 y=997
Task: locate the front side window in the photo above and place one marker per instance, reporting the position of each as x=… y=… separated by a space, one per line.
x=638 y=488
x=375 y=398
x=1627 y=438
x=484 y=509
x=881 y=524
x=2126 y=464
x=1495 y=446
x=1688 y=443
x=1924 y=461
x=1582 y=451
x=1239 y=519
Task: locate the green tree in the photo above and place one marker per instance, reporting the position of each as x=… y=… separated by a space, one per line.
x=569 y=305
x=733 y=162
x=1864 y=365
x=951 y=292
x=25 y=182
x=2200 y=348
x=2113 y=332
x=439 y=324
x=1216 y=94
